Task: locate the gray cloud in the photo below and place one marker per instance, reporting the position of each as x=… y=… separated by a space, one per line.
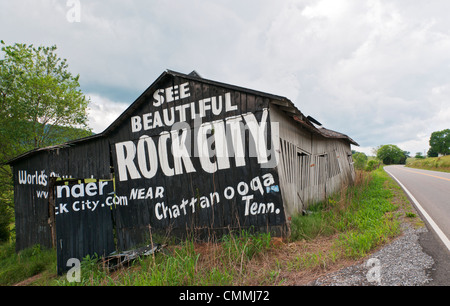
x=375 y=70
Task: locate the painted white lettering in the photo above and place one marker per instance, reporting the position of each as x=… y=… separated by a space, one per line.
x=157 y=121
x=147 y=121
x=228 y=193
x=181 y=153
x=146 y=143
x=205 y=105
x=171 y=93
x=91 y=189
x=175 y=212
x=184 y=91
x=214 y=198
x=192 y=204
x=203 y=148
x=216 y=106
x=136 y=124
x=62 y=208
x=168 y=121
x=149 y=193
x=258 y=134
x=158 y=211
x=159 y=193
x=158 y=97
x=247 y=200
x=221 y=148
x=268 y=179
x=255 y=184
x=242 y=188
x=254 y=208
x=235 y=128
x=41 y=194
x=141 y=195
x=59 y=191
x=163 y=156
x=102 y=184
x=204 y=202
x=77 y=190
x=183 y=205
x=75 y=206
x=228 y=106
x=215 y=143
x=125 y=160
x=134 y=193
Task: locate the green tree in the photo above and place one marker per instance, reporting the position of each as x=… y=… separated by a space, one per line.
x=41 y=104
x=391 y=154
x=432 y=152
x=419 y=155
x=372 y=165
x=360 y=160
x=440 y=142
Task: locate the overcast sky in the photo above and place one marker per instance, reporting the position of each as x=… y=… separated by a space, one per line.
x=378 y=71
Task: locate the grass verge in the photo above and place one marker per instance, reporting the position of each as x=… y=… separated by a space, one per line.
x=16 y=267
x=431 y=163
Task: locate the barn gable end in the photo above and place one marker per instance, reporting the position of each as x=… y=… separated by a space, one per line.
x=191 y=156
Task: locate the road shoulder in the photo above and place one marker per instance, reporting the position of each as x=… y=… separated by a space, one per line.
x=434 y=247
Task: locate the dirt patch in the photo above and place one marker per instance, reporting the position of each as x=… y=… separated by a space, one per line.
x=305 y=261
x=284 y=263
x=29 y=281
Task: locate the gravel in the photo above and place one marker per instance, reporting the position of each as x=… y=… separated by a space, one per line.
x=401 y=263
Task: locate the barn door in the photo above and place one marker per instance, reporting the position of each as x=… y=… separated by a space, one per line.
x=83 y=215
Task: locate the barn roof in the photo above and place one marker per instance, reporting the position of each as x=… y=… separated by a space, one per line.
x=283 y=103
x=333 y=134
x=193 y=76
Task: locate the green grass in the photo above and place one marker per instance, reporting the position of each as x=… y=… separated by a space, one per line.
x=15 y=267
x=430 y=163
x=183 y=265
x=361 y=217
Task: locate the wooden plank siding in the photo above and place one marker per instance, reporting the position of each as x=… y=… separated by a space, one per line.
x=32 y=175
x=272 y=178
x=311 y=167
x=84 y=224
x=135 y=221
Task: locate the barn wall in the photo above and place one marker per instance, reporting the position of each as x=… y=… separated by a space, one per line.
x=311 y=167
x=184 y=195
x=180 y=174
x=32 y=177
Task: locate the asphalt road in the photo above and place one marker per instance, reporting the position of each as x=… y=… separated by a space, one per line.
x=430 y=193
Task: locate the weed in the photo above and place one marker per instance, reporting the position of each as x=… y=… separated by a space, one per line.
x=410 y=214
x=245 y=245
x=15 y=267
x=360 y=216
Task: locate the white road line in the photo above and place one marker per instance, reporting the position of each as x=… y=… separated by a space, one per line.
x=425 y=214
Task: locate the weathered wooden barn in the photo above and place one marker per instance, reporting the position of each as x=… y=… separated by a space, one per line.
x=189 y=156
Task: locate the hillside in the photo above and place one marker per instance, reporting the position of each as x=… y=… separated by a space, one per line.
x=431 y=163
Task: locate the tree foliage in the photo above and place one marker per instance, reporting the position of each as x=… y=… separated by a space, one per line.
x=440 y=143
x=41 y=104
x=360 y=160
x=37 y=95
x=419 y=155
x=391 y=154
